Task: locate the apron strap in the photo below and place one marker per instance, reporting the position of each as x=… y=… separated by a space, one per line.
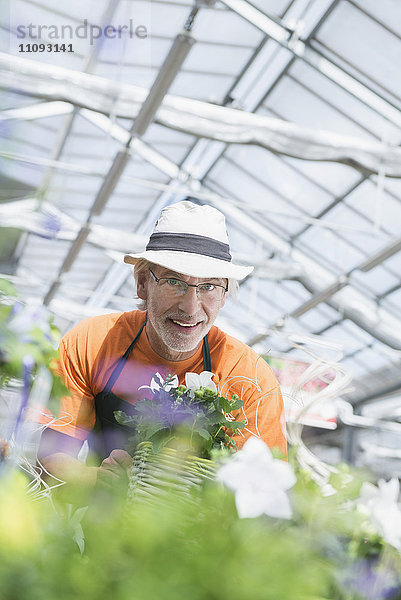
x=121 y=362
x=207 y=363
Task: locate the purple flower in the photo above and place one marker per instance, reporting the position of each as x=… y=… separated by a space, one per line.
x=16 y=308
x=50 y=224
x=23 y=318
x=167 y=410
x=371 y=580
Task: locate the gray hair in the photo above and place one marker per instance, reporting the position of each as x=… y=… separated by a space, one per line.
x=142 y=264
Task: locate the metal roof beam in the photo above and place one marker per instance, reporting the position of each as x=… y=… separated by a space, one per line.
x=40 y=110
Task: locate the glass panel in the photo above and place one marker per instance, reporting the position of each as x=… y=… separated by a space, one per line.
x=292 y=102
x=378 y=280
x=319 y=318
x=333 y=177
x=381 y=208
x=347 y=103
x=239 y=184
x=393 y=302
x=391 y=185
x=224 y=61
x=327 y=245
x=201 y=87
x=387 y=11
x=359 y=49
x=354 y=229
x=355 y=367
x=371 y=359
x=393 y=264
x=30 y=174
x=225 y=27
x=272 y=8
x=75 y=9
x=283 y=178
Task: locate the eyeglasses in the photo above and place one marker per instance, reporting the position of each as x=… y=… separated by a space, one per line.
x=178 y=287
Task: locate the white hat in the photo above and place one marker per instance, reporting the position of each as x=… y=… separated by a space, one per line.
x=192 y=240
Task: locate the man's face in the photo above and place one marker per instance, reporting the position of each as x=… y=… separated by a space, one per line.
x=177 y=323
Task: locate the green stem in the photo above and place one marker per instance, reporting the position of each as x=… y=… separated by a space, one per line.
x=217 y=432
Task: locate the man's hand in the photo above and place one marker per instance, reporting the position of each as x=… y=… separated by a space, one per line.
x=113 y=472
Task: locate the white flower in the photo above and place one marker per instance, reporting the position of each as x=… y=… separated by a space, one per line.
x=380 y=503
x=259 y=481
x=193 y=382
x=158 y=383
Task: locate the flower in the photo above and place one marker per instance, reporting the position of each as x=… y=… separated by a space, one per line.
x=259 y=481
x=381 y=505
x=24 y=318
x=371 y=580
x=194 y=382
x=49 y=225
x=194 y=412
x=157 y=383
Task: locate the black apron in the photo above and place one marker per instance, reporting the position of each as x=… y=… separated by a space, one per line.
x=108 y=434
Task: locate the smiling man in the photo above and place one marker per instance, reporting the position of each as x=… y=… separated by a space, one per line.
x=182 y=278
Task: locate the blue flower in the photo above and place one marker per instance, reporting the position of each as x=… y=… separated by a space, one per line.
x=371 y=580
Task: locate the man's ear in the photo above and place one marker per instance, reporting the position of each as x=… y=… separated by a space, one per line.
x=142 y=285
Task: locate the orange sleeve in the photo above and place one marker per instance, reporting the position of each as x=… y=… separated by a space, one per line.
x=77 y=412
x=264 y=418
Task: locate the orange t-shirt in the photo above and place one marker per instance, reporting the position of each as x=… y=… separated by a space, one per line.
x=90 y=351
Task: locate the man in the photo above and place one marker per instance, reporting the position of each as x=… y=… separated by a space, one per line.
x=182 y=278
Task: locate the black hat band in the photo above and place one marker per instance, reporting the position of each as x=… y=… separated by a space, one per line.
x=189 y=242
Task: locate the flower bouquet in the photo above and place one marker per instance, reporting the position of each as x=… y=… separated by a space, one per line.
x=175 y=433
x=194 y=412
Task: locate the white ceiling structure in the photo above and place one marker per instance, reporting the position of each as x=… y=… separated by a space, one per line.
x=283 y=114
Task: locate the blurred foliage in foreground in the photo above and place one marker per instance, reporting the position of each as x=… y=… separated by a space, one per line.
x=197 y=548
x=199 y=552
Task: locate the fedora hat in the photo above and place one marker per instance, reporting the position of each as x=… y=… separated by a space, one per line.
x=191 y=239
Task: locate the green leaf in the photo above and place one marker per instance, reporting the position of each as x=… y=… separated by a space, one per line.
x=224 y=404
x=234 y=425
x=203 y=433
x=124 y=419
x=7 y=288
x=153 y=430
x=235 y=404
